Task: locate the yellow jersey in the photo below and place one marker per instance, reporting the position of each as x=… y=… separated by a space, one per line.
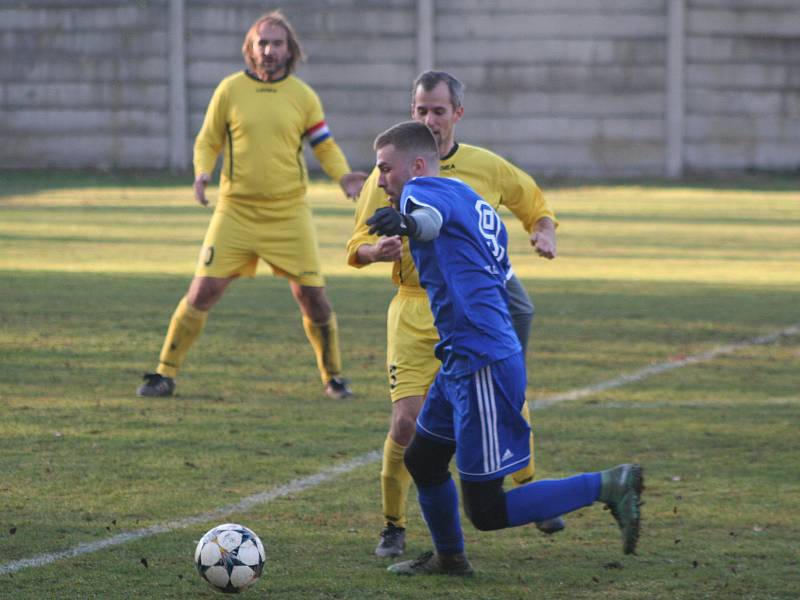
x=260 y=126
x=494 y=178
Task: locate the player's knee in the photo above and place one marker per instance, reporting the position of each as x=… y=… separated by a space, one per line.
x=485 y=504
x=428 y=461
x=402 y=429
x=313 y=302
x=205 y=292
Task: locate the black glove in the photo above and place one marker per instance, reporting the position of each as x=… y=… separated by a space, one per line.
x=387 y=221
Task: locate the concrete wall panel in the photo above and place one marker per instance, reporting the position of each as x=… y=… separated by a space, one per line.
x=570 y=87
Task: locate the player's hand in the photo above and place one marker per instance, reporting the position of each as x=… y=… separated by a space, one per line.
x=544 y=242
x=387 y=249
x=387 y=221
x=200 y=183
x=352 y=183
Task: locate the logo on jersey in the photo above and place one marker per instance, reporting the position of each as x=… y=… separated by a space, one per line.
x=450 y=167
x=490 y=225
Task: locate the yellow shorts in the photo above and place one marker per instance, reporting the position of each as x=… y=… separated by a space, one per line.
x=281 y=232
x=410 y=339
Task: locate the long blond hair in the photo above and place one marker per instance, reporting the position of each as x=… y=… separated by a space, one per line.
x=274 y=17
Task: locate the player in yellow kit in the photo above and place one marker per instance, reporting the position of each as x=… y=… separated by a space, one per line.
x=437 y=101
x=259 y=118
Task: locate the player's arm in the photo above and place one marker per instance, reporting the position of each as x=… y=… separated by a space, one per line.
x=543 y=237
x=385 y=249
x=424 y=224
x=364 y=248
x=209 y=142
x=333 y=162
x=328 y=153
x=525 y=199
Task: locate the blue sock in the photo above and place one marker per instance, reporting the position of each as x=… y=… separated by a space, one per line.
x=548 y=498
x=439 y=504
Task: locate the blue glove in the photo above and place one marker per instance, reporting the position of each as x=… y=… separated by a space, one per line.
x=387 y=221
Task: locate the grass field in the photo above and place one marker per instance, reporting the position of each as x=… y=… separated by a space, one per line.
x=93 y=265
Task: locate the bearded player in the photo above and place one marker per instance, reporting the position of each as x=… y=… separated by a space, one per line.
x=259 y=119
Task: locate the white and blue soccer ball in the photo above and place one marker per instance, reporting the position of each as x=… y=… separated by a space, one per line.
x=230 y=557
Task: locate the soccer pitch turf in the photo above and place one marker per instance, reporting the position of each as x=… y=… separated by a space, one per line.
x=666 y=334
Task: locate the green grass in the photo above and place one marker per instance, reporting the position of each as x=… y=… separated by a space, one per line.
x=93 y=265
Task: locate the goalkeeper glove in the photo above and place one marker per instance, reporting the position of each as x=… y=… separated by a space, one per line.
x=387 y=221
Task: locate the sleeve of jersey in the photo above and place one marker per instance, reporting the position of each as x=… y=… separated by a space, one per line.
x=423 y=192
x=330 y=156
x=369 y=200
x=211 y=139
x=522 y=196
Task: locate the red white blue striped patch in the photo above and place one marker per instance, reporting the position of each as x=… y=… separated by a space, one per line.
x=318 y=133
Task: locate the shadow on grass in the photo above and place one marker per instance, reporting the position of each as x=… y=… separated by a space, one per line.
x=763 y=181
x=31 y=181
x=36 y=305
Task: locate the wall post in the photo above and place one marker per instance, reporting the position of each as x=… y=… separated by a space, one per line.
x=178 y=146
x=676 y=107
x=425 y=35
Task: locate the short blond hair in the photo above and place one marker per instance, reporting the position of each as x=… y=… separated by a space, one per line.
x=410 y=137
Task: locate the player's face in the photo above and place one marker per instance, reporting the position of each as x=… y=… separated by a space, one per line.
x=394 y=170
x=271 y=51
x=435 y=109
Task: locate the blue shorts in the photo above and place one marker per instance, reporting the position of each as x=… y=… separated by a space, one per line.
x=480 y=413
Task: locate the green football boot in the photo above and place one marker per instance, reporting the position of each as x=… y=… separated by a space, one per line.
x=621 y=490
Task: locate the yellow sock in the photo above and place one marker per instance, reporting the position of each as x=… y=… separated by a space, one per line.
x=395 y=481
x=324 y=338
x=186 y=325
x=526 y=473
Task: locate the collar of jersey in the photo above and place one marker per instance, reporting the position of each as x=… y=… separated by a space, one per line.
x=450 y=154
x=254 y=78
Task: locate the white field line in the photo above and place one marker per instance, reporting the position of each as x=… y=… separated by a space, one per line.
x=300 y=485
x=662 y=368
x=293 y=487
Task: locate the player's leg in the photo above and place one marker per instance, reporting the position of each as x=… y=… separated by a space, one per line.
x=185 y=326
x=226 y=254
x=428 y=459
x=495 y=435
x=395 y=478
x=522 y=312
x=322 y=331
x=411 y=337
x=620 y=488
x=288 y=242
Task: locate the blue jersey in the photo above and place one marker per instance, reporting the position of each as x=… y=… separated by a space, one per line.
x=464 y=271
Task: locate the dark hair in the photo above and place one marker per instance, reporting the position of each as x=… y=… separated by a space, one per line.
x=410 y=137
x=274 y=17
x=430 y=79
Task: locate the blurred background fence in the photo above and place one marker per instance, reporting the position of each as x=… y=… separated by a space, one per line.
x=561 y=87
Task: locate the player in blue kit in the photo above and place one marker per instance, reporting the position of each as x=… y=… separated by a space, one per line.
x=459 y=246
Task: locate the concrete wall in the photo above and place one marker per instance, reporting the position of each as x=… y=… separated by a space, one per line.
x=83 y=84
x=568 y=87
x=743 y=84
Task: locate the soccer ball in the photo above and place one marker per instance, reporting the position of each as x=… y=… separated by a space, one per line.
x=230 y=558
